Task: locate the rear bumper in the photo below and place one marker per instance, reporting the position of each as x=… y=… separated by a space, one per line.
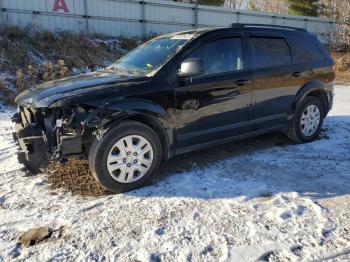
x=329 y=93
x=330 y=97
x=33 y=152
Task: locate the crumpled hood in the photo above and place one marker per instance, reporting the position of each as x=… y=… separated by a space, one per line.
x=45 y=94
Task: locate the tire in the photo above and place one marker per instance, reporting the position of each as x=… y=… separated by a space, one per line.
x=297 y=132
x=111 y=151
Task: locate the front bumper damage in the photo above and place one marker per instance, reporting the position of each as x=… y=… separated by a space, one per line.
x=41 y=140
x=33 y=152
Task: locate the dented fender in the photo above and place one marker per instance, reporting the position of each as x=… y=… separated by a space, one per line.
x=111 y=111
x=117 y=108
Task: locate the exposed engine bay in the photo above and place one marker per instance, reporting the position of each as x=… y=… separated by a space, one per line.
x=52 y=133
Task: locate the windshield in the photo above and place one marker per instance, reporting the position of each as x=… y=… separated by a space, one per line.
x=151 y=55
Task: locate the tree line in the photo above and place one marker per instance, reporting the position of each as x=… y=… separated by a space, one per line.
x=334 y=9
x=337 y=10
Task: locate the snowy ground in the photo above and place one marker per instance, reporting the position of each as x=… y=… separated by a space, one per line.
x=258 y=199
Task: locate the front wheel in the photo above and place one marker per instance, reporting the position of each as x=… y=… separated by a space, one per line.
x=307 y=121
x=126 y=156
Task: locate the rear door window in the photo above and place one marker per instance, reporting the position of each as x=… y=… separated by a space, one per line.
x=270 y=52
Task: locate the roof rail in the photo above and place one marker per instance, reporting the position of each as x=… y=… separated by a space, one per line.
x=238 y=25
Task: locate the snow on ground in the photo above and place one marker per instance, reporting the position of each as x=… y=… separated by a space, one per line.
x=257 y=199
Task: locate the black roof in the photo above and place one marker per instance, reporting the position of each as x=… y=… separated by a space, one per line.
x=245 y=27
x=237 y=25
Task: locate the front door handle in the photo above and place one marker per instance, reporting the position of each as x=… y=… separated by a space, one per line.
x=297 y=74
x=243 y=82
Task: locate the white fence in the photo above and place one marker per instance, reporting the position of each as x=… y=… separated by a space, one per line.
x=141 y=18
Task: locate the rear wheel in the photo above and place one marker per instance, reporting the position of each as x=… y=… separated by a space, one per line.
x=126 y=157
x=307 y=121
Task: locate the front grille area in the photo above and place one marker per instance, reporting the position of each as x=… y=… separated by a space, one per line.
x=40 y=123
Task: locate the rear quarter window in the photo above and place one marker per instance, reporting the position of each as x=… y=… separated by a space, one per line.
x=305 y=51
x=270 y=52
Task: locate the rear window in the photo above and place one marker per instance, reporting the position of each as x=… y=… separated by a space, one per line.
x=305 y=51
x=270 y=52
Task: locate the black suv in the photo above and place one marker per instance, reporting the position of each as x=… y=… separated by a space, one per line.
x=178 y=93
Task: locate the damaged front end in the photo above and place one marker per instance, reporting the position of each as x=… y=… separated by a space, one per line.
x=44 y=134
x=59 y=119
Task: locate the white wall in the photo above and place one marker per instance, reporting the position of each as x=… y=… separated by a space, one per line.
x=138 y=18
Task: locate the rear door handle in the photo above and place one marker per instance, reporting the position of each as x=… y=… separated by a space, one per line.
x=297 y=74
x=243 y=82
x=311 y=72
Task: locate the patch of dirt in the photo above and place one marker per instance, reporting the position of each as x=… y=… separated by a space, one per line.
x=342 y=59
x=7 y=94
x=343 y=77
x=21 y=47
x=75 y=177
x=32 y=57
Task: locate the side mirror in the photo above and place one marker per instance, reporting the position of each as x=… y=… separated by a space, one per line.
x=191 y=67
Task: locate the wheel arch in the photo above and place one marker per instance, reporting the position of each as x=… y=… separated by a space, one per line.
x=144 y=111
x=158 y=127
x=313 y=88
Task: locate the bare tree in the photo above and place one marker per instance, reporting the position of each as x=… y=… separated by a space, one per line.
x=338 y=10
x=234 y=4
x=272 y=6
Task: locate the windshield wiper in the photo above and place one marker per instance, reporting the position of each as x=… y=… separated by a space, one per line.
x=121 y=70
